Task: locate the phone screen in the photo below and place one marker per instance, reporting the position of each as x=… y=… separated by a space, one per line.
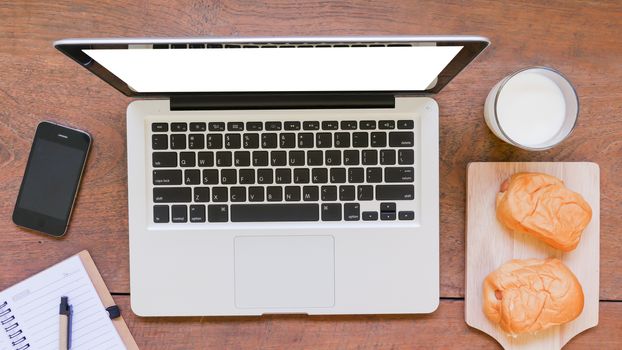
x=51 y=178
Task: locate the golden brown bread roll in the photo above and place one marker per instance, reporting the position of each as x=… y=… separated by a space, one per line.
x=526 y=296
x=540 y=205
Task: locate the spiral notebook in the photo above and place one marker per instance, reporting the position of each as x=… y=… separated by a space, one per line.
x=29 y=310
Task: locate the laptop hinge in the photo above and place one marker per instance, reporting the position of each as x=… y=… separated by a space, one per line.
x=281 y=101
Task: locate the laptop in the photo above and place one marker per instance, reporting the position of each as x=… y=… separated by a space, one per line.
x=281 y=175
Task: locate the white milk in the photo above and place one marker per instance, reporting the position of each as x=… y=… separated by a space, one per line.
x=531 y=109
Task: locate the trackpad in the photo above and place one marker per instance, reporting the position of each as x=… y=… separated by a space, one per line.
x=284 y=271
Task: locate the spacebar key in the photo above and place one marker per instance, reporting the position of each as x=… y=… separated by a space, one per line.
x=274 y=212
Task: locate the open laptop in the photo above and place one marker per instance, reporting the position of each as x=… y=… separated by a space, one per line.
x=281 y=175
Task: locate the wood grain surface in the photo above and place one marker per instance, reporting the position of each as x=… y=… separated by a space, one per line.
x=489 y=245
x=579 y=38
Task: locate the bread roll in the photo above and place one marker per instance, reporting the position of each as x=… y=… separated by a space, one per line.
x=540 y=205
x=527 y=296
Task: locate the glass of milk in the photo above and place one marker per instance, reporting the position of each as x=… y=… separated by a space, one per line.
x=534 y=108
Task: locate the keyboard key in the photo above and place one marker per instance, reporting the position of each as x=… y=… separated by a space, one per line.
x=351 y=157
x=400 y=174
x=405 y=124
x=179 y=127
x=406 y=215
x=331 y=212
x=305 y=140
x=406 y=156
x=196 y=141
x=330 y=125
x=292 y=193
x=172 y=194
x=342 y=139
x=201 y=194
x=291 y=125
x=365 y=193
x=296 y=158
x=401 y=139
x=223 y=159
x=179 y=213
x=347 y=193
x=395 y=192
x=198 y=127
x=220 y=194
x=235 y=126
x=255 y=194
x=192 y=177
x=242 y=158
x=315 y=158
x=167 y=177
x=264 y=176
x=233 y=141
x=378 y=139
x=214 y=141
x=311 y=125
x=323 y=140
x=247 y=176
x=269 y=140
x=374 y=175
x=186 y=159
x=356 y=175
x=367 y=125
x=387 y=215
x=349 y=125
x=273 y=126
x=319 y=175
x=332 y=157
x=310 y=193
x=228 y=176
x=274 y=193
x=387 y=157
x=351 y=212
x=217 y=213
x=287 y=140
x=254 y=126
x=278 y=158
x=283 y=176
x=369 y=157
x=159 y=141
x=360 y=139
x=260 y=158
x=338 y=175
x=159 y=127
x=386 y=124
x=216 y=126
x=251 y=141
x=370 y=215
x=160 y=214
x=301 y=175
x=197 y=213
x=387 y=206
x=210 y=177
x=238 y=194
x=274 y=212
x=205 y=159
x=329 y=193
x=178 y=141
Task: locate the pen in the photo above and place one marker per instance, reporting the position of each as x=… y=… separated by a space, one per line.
x=64 y=313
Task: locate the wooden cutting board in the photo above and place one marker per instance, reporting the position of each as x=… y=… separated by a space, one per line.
x=489 y=245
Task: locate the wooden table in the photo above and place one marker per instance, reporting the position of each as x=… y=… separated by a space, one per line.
x=37 y=83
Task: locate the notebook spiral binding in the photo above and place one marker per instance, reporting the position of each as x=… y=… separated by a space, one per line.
x=11 y=327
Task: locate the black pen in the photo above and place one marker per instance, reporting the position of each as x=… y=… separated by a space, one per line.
x=64 y=337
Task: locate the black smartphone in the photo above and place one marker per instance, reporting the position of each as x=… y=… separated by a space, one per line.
x=51 y=179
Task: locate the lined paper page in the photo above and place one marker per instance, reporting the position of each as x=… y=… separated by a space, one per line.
x=35 y=303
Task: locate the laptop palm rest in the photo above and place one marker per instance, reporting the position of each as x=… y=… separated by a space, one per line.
x=288 y=272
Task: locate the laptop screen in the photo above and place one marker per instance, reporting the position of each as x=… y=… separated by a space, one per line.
x=146 y=69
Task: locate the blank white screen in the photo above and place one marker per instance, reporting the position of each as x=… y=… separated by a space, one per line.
x=411 y=68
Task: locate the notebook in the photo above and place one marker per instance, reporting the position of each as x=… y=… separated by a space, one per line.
x=29 y=310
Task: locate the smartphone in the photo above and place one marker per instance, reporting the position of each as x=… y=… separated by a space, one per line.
x=52 y=177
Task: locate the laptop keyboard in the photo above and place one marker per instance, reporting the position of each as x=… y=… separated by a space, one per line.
x=283 y=171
